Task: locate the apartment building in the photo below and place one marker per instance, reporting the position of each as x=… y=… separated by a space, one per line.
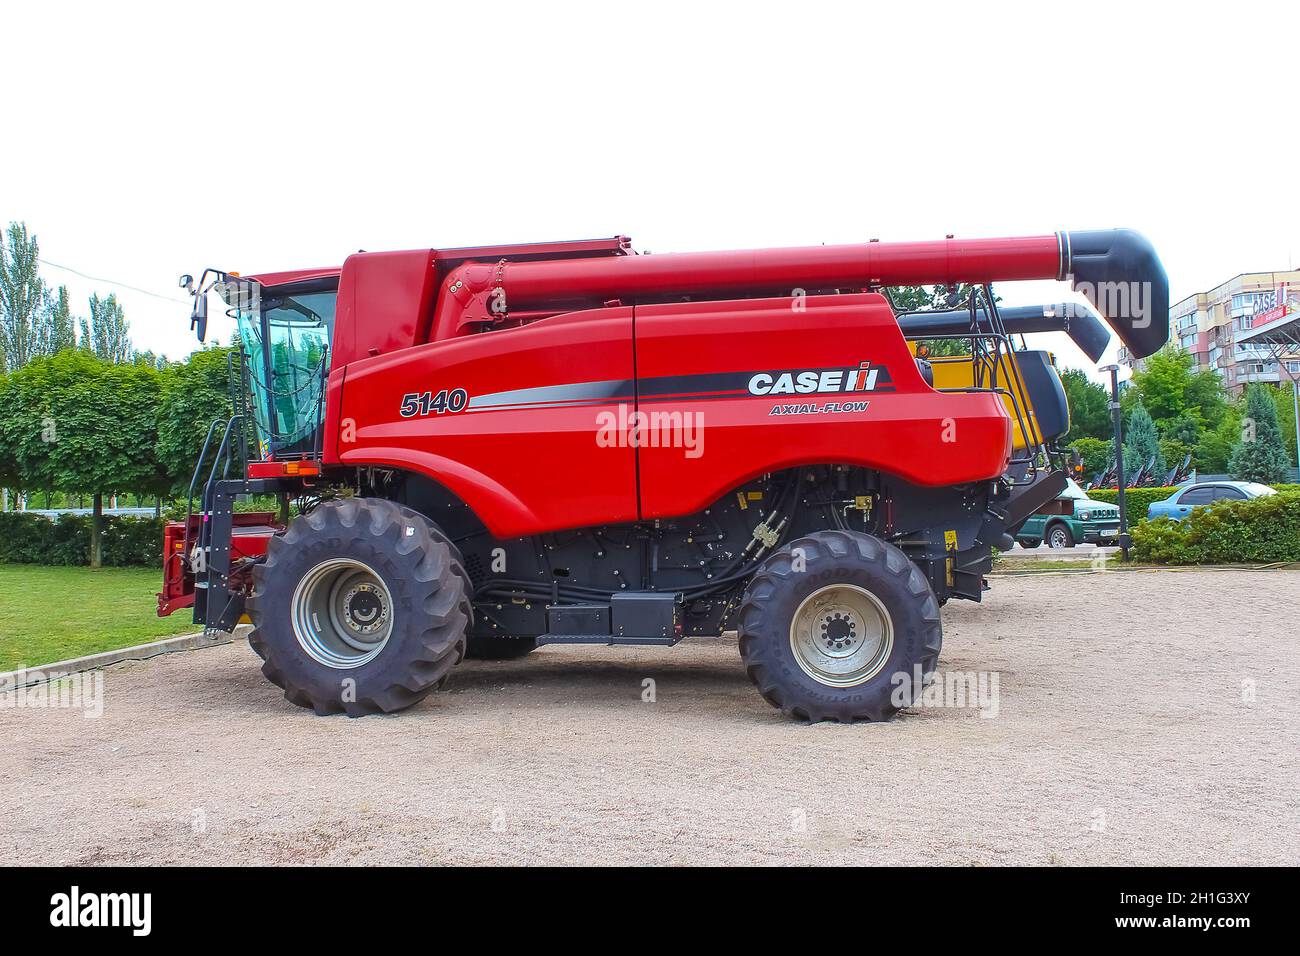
x=1206 y=325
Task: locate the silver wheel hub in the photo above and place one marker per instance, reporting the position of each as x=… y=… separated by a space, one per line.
x=342 y=613
x=841 y=635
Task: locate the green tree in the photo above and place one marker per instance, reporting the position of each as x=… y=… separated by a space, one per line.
x=1260 y=455
x=150 y=358
x=24 y=327
x=194 y=394
x=1095 y=453
x=1206 y=395
x=72 y=422
x=63 y=328
x=10 y=476
x=918 y=298
x=1142 y=441
x=1089 y=407
x=1162 y=384
x=1214 y=450
x=1185 y=427
x=107 y=333
x=1174 y=451
x=1282 y=399
x=1174 y=391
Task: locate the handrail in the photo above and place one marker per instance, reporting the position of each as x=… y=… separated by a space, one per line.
x=194 y=479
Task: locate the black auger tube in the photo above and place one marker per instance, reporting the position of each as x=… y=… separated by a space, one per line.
x=1118 y=271
x=1074 y=319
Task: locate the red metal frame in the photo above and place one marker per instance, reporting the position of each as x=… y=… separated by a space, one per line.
x=543 y=340
x=253 y=530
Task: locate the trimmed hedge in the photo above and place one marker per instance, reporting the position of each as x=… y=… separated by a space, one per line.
x=26 y=538
x=1258 y=529
x=1136 y=500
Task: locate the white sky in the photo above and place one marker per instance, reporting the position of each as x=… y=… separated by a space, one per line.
x=155 y=140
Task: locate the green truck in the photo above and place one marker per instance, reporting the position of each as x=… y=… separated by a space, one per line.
x=1070 y=519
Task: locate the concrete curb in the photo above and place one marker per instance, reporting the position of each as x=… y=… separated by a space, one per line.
x=1084 y=553
x=29 y=676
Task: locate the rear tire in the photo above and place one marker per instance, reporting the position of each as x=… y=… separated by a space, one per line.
x=359 y=608
x=846 y=637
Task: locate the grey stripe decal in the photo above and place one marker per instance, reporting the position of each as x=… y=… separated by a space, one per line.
x=555 y=394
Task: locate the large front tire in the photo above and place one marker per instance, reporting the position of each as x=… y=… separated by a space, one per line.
x=359 y=608
x=839 y=626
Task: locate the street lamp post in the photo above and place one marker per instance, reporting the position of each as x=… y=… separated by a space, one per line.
x=1295 y=413
x=1117 y=423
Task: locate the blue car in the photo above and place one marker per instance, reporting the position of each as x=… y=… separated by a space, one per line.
x=1180 y=504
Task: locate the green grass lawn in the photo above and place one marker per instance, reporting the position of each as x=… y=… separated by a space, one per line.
x=51 y=614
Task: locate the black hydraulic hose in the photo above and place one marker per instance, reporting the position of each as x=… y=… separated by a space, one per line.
x=738 y=571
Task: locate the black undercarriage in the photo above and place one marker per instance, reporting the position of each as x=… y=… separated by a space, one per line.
x=708 y=557
x=573 y=585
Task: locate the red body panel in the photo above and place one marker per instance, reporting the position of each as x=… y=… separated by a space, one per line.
x=381 y=306
x=902 y=432
x=525 y=466
x=526 y=452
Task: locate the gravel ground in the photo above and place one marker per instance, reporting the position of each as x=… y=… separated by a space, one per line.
x=1115 y=743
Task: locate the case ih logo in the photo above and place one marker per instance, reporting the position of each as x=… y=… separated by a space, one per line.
x=811 y=381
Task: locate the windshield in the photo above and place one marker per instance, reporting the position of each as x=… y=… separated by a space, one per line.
x=286 y=346
x=1256 y=489
x=1072 y=490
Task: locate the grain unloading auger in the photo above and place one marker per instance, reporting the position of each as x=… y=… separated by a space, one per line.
x=500 y=447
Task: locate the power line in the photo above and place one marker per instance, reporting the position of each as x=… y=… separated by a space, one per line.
x=114 y=282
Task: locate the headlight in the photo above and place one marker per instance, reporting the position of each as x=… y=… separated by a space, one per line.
x=1084 y=515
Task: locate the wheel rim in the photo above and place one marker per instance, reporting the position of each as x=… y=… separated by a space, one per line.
x=1058 y=537
x=841 y=635
x=342 y=613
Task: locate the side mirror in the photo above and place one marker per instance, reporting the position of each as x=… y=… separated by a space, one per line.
x=187 y=282
x=199 y=317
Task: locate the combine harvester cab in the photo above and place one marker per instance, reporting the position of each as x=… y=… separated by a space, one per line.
x=480 y=451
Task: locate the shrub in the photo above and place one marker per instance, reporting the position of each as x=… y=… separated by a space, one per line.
x=1258 y=529
x=33 y=539
x=1136 y=500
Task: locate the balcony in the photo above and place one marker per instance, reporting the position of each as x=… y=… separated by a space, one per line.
x=1244 y=378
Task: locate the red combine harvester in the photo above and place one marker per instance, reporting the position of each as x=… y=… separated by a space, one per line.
x=494 y=448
